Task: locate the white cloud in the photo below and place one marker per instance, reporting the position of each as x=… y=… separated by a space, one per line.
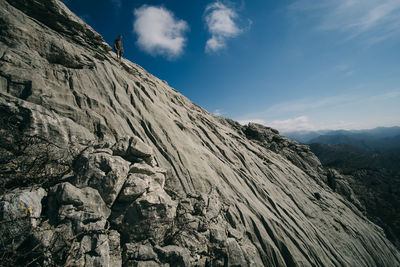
x=222 y=24
x=217 y=112
x=244 y=122
x=159 y=32
x=376 y=20
x=301 y=123
x=337 y=112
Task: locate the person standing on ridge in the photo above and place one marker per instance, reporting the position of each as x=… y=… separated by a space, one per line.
x=118 y=47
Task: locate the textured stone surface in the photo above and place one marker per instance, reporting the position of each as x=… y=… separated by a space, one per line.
x=115 y=249
x=84 y=207
x=20 y=212
x=102 y=171
x=127 y=159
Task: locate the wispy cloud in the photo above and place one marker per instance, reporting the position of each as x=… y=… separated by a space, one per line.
x=159 y=32
x=301 y=123
x=376 y=20
x=222 y=23
x=338 y=112
x=247 y=121
x=218 y=112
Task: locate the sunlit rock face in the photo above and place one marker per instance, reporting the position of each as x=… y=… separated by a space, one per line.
x=103 y=164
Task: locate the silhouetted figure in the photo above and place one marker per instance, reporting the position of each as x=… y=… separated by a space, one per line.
x=119 y=49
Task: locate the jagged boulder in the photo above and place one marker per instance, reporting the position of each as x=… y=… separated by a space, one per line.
x=174 y=255
x=103 y=171
x=136 y=185
x=132 y=149
x=20 y=212
x=84 y=207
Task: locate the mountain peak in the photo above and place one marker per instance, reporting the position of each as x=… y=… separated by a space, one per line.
x=103 y=164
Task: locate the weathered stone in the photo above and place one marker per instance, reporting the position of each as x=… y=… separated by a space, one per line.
x=232 y=232
x=143 y=168
x=217 y=234
x=150 y=216
x=84 y=207
x=174 y=255
x=213 y=208
x=192 y=240
x=139 y=252
x=61 y=85
x=103 y=172
x=20 y=211
x=252 y=255
x=120 y=148
x=22 y=203
x=135 y=186
x=139 y=149
x=92 y=250
x=149 y=264
x=235 y=254
x=115 y=249
x=133 y=149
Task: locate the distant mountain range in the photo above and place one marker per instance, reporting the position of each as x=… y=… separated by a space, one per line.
x=381 y=138
x=370 y=161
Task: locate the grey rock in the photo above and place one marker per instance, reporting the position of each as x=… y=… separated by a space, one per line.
x=341 y=185
x=235 y=253
x=60 y=84
x=139 y=148
x=142 y=167
x=135 y=186
x=102 y=171
x=149 y=264
x=232 y=232
x=174 y=255
x=84 y=207
x=20 y=212
x=22 y=203
x=217 y=234
x=115 y=249
x=92 y=250
x=139 y=252
x=133 y=149
x=150 y=216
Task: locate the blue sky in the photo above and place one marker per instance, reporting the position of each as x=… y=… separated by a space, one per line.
x=292 y=65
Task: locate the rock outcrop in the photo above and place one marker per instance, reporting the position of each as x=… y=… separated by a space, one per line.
x=103 y=164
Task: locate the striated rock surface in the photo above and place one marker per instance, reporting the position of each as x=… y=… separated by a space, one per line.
x=103 y=164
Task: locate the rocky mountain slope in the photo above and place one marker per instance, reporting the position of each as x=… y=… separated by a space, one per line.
x=103 y=164
x=374 y=178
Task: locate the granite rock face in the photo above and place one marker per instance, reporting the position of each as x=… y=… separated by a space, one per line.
x=103 y=164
